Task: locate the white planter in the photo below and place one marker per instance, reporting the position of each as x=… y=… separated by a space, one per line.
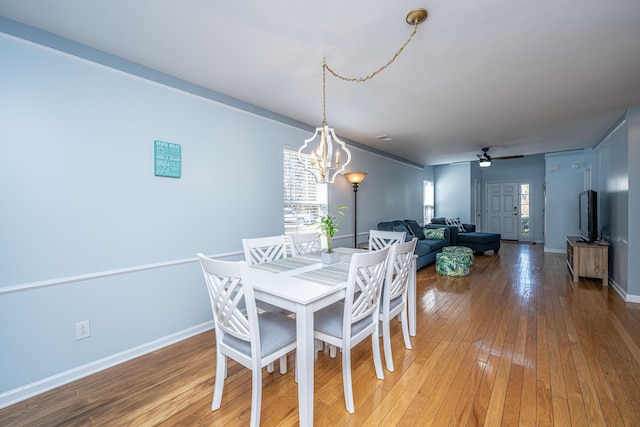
x=330 y=258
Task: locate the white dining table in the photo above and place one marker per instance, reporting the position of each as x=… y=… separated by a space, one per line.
x=304 y=285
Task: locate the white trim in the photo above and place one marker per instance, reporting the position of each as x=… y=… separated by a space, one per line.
x=26 y=391
x=99 y=275
x=555 y=251
x=625 y=296
x=632 y=298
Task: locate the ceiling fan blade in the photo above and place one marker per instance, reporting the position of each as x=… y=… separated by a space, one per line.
x=519 y=156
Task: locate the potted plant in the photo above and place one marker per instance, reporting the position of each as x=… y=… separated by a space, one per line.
x=328 y=225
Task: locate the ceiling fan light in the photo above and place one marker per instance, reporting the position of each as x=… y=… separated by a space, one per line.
x=485 y=163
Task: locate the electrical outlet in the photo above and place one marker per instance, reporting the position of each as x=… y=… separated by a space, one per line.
x=83 y=330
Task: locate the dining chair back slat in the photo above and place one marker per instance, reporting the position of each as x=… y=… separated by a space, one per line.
x=379 y=239
x=264 y=249
x=304 y=244
x=394 y=295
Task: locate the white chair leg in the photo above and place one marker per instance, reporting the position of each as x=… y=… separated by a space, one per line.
x=256 y=395
x=386 y=340
x=346 y=380
x=283 y=364
x=270 y=368
x=332 y=351
x=221 y=374
x=405 y=330
x=377 y=359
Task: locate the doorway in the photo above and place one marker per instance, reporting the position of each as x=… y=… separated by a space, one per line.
x=508 y=208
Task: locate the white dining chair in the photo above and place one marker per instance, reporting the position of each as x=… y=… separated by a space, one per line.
x=253 y=340
x=347 y=323
x=304 y=244
x=259 y=250
x=264 y=249
x=394 y=295
x=379 y=239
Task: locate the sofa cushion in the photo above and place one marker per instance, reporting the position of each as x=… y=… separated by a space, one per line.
x=436 y=244
x=388 y=225
x=456 y=223
x=422 y=248
x=433 y=233
x=415 y=228
x=438 y=221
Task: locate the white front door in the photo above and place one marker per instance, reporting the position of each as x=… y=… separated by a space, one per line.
x=502 y=209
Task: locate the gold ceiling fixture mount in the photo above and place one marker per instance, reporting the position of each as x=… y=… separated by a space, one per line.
x=417 y=16
x=324 y=162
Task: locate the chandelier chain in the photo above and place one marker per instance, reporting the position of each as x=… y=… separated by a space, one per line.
x=372 y=75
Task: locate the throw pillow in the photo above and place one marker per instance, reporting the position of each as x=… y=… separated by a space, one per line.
x=403 y=229
x=456 y=223
x=433 y=233
x=415 y=229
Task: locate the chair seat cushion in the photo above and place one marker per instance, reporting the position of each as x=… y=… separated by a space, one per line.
x=330 y=319
x=276 y=331
x=392 y=304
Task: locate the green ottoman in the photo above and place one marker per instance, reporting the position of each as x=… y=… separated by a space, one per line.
x=463 y=250
x=452 y=264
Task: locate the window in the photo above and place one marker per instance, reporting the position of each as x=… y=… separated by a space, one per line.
x=429 y=202
x=524 y=210
x=304 y=199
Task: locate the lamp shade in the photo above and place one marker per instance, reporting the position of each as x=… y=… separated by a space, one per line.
x=355 y=177
x=485 y=163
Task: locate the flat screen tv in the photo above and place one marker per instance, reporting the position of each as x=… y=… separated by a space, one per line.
x=588 y=206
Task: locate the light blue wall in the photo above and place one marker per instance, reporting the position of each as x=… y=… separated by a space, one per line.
x=633 y=123
x=453 y=191
x=529 y=168
x=79 y=198
x=564 y=182
x=612 y=184
x=619 y=201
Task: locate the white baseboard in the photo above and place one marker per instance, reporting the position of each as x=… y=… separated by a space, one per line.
x=555 y=251
x=29 y=390
x=632 y=298
x=625 y=296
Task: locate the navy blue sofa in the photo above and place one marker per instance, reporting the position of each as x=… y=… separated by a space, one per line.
x=426 y=249
x=479 y=242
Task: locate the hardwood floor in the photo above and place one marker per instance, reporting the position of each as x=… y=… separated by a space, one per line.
x=512 y=344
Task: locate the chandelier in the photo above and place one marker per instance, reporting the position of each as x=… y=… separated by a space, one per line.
x=330 y=155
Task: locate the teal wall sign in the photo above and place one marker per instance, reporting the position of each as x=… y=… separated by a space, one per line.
x=166 y=159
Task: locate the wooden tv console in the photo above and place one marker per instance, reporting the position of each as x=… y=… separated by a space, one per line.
x=587 y=260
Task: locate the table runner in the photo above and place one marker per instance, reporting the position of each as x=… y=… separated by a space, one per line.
x=332 y=275
x=285 y=264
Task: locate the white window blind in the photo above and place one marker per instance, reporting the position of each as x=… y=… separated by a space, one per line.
x=304 y=199
x=429 y=202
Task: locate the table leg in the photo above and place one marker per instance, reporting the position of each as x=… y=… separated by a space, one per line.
x=411 y=295
x=305 y=356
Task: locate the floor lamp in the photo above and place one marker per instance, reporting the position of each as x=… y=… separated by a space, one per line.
x=355 y=178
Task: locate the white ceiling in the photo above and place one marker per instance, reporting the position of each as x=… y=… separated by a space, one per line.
x=522 y=77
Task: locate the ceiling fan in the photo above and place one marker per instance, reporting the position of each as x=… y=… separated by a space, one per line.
x=486 y=159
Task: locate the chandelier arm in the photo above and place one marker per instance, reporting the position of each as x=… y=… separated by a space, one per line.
x=378 y=71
